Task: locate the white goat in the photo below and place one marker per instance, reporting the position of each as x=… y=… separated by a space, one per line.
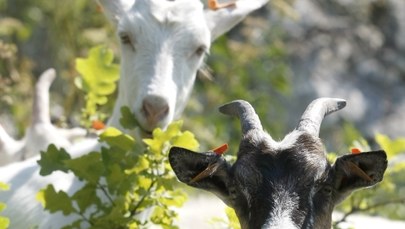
x=41 y=132
x=163 y=45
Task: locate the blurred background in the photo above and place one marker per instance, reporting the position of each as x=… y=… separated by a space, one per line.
x=280 y=58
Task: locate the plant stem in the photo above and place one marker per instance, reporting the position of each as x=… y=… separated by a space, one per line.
x=134 y=211
x=84 y=217
x=368 y=208
x=106 y=194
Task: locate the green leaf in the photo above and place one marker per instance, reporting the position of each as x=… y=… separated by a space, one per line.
x=98 y=79
x=115 y=177
x=88 y=167
x=135 y=179
x=115 y=137
x=75 y=225
x=53 y=160
x=186 y=140
x=111 y=156
x=142 y=164
x=128 y=120
x=2 y=206
x=174 y=134
x=176 y=199
x=97 y=70
x=86 y=197
x=4 y=186
x=55 y=201
x=391 y=147
x=4 y=222
x=158 y=215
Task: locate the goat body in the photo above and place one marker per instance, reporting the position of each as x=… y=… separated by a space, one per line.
x=162 y=46
x=41 y=132
x=288 y=184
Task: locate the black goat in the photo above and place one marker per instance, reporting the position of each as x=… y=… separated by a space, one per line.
x=287 y=184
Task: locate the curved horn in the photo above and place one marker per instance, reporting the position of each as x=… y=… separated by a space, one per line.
x=312 y=118
x=245 y=112
x=41 y=97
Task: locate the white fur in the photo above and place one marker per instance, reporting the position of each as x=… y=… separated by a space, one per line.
x=161 y=62
x=280 y=217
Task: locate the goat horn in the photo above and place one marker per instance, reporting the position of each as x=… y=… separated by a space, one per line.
x=312 y=118
x=41 y=97
x=246 y=113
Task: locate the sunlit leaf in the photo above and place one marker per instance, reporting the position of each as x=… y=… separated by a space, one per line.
x=2 y=206
x=4 y=222
x=391 y=147
x=142 y=164
x=55 y=201
x=186 y=140
x=131 y=182
x=97 y=69
x=233 y=219
x=4 y=186
x=116 y=138
x=97 y=78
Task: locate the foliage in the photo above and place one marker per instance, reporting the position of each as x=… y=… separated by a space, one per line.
x=388 y=197
x=4 y=222
x=121 y=181
x=251 y=63
x=40 y=34
x=230 y=222
x=97 y=80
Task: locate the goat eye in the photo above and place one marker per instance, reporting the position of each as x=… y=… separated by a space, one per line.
x=327 y=189
x=125 y=39
x=200 y=50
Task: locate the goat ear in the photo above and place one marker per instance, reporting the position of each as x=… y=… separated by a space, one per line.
x=114 y=9
x=356 y=171
x=222 y=20
x=207 y=171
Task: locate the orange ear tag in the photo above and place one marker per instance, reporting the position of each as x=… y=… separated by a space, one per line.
x=355 y=151
x=214 y=5
x=221 y=149
x=97 y=125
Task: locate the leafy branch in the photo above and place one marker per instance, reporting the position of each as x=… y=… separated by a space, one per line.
x=129 y=177
x=356 y=209
x=98 y=76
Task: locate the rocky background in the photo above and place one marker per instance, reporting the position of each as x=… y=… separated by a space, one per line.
x=352 y=49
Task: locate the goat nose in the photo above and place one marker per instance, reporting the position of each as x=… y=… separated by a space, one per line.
x=154 y=108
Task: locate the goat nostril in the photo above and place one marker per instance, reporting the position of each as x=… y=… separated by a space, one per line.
x=155 y=109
